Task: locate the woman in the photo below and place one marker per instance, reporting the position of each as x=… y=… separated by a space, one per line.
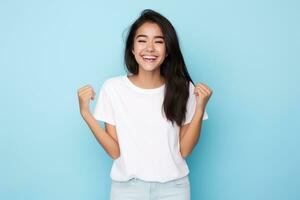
x=152 y=116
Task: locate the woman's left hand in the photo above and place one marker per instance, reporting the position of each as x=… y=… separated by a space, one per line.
x=203 y=93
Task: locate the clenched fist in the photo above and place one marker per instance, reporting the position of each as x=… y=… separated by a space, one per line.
x=84 y=95
x=203 y=93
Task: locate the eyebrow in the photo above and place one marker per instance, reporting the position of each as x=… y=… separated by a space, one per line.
x=162 y=37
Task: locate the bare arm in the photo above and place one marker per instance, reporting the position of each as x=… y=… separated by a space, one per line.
x=110 y=145
x=190 y=133
x=107 y=138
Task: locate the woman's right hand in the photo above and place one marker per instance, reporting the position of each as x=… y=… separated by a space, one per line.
x=85 y=93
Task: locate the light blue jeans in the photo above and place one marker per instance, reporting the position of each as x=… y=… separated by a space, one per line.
x=136 y=189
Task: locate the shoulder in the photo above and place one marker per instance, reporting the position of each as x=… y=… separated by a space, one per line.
x=112 y=82
x=191 y=87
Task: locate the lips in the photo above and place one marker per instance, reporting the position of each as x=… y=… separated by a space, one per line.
x=149 y=58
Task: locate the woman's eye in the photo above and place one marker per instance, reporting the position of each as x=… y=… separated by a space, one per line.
x=155 y=42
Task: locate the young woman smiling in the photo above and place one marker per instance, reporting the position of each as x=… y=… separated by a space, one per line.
x=153 y=114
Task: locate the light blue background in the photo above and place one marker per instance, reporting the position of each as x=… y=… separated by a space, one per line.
x=246 y=51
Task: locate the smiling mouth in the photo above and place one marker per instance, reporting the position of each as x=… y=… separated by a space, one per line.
x=149 y=58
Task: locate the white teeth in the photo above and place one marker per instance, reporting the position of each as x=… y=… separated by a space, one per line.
x=149 y=57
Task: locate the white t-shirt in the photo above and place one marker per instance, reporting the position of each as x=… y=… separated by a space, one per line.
x=149 y=144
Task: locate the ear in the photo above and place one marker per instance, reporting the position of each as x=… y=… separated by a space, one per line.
x=132 y=51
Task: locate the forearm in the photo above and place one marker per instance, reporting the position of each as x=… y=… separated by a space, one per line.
x=192 y=134
x=106 y=141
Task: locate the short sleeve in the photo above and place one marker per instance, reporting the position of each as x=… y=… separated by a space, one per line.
x=104 y=110
x=191 y=106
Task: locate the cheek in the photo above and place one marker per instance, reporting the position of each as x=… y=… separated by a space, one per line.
x=162 y=50
x=137 y=49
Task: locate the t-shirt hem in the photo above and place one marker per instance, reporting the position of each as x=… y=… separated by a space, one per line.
x=164 y=180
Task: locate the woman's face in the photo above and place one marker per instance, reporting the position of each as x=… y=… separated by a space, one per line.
x=149 y=47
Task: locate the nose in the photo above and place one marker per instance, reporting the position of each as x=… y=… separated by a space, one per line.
x=150 y=46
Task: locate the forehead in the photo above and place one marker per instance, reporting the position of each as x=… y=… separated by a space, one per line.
x=149 y=29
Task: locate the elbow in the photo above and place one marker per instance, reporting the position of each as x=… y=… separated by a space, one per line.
x=184 y=154
x=185 y=150
x=115 y=155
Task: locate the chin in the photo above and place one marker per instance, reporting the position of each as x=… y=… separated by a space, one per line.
x=149 y=69
x=149 y=66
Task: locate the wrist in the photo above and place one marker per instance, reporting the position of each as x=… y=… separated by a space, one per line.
x=199 y=112
x=200 y=109
x=85 y=113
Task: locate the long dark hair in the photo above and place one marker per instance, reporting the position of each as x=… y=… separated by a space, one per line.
x=173 y=69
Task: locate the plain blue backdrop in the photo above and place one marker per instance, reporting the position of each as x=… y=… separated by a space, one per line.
x=246 y=51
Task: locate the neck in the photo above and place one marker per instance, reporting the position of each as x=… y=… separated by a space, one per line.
x=148 y=80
